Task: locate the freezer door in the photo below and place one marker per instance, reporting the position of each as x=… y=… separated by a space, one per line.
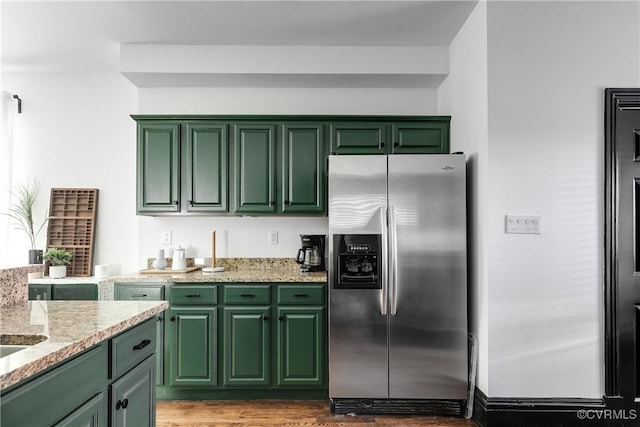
x=428 y=291
x=358 y=359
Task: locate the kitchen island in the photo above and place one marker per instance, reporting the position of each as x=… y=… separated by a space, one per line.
x=83 y=362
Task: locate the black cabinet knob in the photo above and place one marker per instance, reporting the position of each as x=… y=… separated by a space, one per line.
x=122 y=404
x=382 y=145
x=173 y=318
x=265 y=318
x=281 y=318
x=396 y=144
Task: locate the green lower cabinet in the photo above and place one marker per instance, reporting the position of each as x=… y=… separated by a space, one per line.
x=83 y=291
x=147 y=292
x=39 y=292
x=192 y=349
x=57 y=393
x=91 y=414
x=246 y=346
x=301 y=346
x=62 y=291
x=131 y=395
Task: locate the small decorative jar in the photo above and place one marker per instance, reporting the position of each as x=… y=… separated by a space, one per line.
x=160 y=263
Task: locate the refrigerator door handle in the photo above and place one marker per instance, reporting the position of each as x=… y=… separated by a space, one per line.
x=384 y=295
x=393 y=265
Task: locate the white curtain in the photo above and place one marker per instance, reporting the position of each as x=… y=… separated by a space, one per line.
x=8 y=109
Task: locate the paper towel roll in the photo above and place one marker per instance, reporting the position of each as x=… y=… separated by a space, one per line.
x=101 y=271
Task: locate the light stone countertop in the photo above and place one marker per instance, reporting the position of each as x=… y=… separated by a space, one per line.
x=237 y=270
x=71 y=327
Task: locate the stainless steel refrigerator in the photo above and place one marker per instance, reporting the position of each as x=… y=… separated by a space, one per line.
x=397 y=284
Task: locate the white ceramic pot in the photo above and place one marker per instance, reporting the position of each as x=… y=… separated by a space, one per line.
x=57 y=271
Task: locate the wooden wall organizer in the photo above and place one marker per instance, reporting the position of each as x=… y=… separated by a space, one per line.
x=72 y=225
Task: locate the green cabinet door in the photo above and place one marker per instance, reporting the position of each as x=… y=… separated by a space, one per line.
x=133 y=396
x=303 y=169
x=39 y=291
x=254 y=153
x=158 y=169
x=426 y=137
x=91 y=414
x=206 y=167
x=358 y=138
x=192 y=346
x=301 y=347
x=246 y=346
x=77 y=291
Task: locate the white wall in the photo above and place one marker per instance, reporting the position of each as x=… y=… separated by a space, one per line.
x=75 y=132
x=247 y=236
x=463 y=95
x=546 y=76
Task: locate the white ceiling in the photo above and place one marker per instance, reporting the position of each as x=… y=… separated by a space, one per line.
x=85 y=35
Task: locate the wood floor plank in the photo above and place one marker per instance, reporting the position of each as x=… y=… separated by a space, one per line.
x=282 y=413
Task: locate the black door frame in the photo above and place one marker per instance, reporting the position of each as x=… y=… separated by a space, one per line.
x=616 y=99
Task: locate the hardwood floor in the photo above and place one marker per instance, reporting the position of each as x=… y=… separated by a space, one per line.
x=281 y=413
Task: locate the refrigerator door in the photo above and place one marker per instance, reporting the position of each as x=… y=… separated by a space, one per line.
x=428 y=322
x=358 y=359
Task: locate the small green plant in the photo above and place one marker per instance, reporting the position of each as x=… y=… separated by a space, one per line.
x=22 y=210
x=58 y=256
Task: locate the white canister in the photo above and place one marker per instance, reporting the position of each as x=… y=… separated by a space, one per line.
x=101 y=271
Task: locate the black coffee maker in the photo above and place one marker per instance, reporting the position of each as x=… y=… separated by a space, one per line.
x=311 y=254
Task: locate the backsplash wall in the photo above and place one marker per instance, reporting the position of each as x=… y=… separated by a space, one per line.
x=238 y=237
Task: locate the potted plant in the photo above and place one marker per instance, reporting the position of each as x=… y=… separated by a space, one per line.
x=23 y=216
x=59 y=259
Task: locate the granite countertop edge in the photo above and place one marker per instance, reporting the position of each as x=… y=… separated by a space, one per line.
x=231 y=276
x=45 y=355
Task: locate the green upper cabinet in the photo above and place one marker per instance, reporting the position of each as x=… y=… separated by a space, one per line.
x=422 y=135
x=206 y=167
x=358 y=138
x=430 y=137
x=263 y=165
x=254 y=148
x=158 y=167
x=303 y=169
x=279 y=168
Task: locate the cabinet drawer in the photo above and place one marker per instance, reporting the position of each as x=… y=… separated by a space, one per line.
x=296 y=294
x=132 y=347
x=142 y=293
x=254 y=294
x=193 y=295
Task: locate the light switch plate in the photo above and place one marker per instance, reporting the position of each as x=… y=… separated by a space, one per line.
x=273 y=237
x=523 y=224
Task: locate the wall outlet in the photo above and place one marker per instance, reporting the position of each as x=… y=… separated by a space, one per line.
x=166 y=238
x=273 y=237
x=521 y=224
